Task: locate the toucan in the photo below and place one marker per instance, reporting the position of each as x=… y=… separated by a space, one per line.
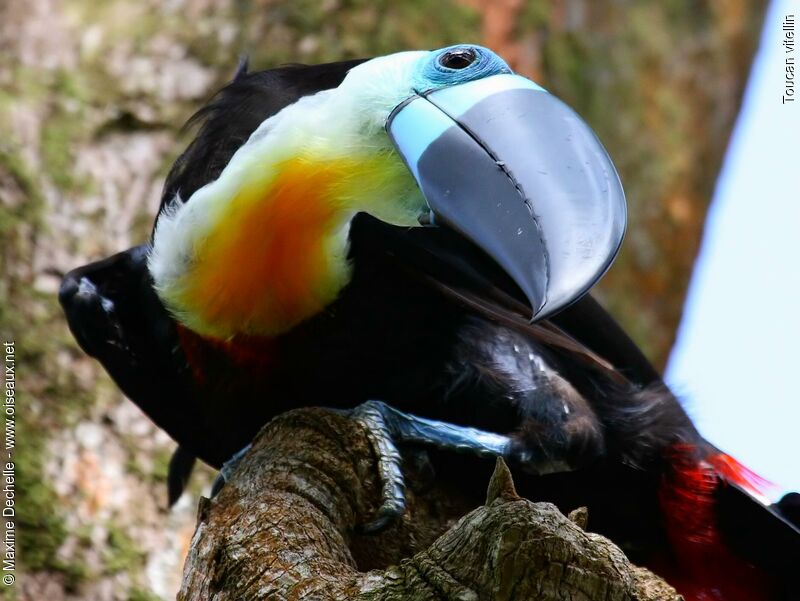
x=412 y=238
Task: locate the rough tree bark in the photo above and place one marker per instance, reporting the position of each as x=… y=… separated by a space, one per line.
x=284 y=527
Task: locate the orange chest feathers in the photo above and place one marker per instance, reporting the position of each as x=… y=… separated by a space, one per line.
x=270 y=261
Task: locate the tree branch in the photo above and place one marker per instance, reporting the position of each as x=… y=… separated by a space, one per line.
x=284 y=527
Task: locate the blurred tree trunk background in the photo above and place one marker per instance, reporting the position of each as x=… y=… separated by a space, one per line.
x=92 y=99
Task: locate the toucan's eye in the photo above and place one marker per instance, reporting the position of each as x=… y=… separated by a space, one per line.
x=458 y=58
x=454 y=65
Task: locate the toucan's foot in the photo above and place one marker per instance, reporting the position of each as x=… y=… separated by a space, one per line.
x=227 y=470
x=373 y=415
x=217 y=485
x=387 y=427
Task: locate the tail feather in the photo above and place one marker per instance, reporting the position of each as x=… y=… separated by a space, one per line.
x=730 y=470
x=180 y=469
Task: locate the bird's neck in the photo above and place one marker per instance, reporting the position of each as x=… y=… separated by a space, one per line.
x=265 y=246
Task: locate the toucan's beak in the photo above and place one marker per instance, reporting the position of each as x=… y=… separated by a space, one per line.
x=521 y=175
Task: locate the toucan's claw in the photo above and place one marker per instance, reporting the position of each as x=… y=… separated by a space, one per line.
x=386 y=427
x=227 y=470
x=373 y=415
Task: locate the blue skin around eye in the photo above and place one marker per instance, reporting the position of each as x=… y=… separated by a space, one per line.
x=432 y=75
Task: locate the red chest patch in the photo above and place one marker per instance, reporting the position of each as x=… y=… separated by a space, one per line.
x=207 y=356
